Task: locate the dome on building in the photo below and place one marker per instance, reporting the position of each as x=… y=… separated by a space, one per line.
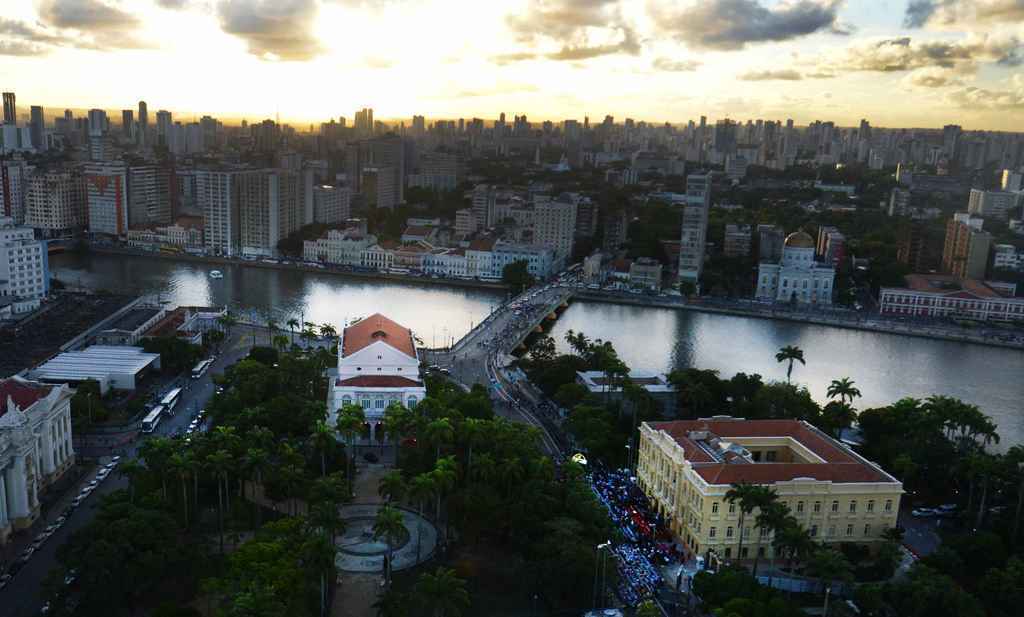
x=800 y=240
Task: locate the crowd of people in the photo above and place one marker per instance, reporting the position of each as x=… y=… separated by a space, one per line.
x=647 y=540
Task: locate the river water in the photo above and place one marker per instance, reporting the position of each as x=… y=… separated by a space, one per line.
x=885 y=367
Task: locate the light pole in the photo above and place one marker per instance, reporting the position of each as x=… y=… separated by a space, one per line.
x=597 y=562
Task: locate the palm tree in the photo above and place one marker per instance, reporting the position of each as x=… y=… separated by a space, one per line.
x=829 y=565
x=844 y=389
x=323 y=439
x=397 y=420
x=271 y=329
x=179 y=464
x=793 y=540
x=443 y=593
x=420 y=489
x=837 y=415
x=746 y=495
x=350 y=423
x=227 y=321
x=255 y=463
x=790 y=353
x=389 y=527
x=280 y=342
x=132 y=469
x=219 y=463
x=443 y=476
x=762 y=498
x=439 y=432
x=156 y=451
x=774 y=516
x=327 y=331
x=293 y=325
x=472 y=432
x=392 y=486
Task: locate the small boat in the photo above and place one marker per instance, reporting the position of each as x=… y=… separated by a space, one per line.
x=216 y=274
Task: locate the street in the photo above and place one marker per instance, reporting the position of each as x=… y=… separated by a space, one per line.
x=22 y=596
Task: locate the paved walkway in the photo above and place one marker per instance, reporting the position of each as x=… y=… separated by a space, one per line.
x=359 y=551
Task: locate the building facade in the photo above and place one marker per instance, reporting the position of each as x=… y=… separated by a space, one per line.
x=35 y=447
x=55 y=202
x=106 y=188
x=555 y=224
x=797 y=277
x=992 y=204
x=217 y=199
x=694 y=234
x=937 y=295
x=965 y=252
x=737 y=240
x=24 y=264
x=378 y=366
x=269 y=209
x=687 y=467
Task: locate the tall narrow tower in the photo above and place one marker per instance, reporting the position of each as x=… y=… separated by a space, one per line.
x=143 y=122
x=10 y=110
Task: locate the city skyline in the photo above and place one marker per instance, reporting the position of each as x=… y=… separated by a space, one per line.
x=918 y=64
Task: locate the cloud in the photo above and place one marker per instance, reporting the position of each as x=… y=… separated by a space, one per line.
x=933 y=77
x=99 y=25
x=21 y=48
x=727 y=25
x=956 y=13
x=903 y=54
x=272 y=29
x=771 y=75
x=497 y=90
x=503 y=59
x=172 y=4
x=974 y=99
x=678 y=66
x=581 y=29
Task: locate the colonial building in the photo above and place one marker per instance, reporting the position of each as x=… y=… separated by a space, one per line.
x=687 y=467
x=939 y=295
x=377 y=366
x=797 y=277
x=35 y=447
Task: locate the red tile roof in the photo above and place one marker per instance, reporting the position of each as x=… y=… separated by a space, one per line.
x=23 y=394
x=375 y=328
x=379 y=381
x=840 y=464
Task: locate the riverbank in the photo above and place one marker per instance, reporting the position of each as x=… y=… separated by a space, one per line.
x=300 y=267
x=870 y=325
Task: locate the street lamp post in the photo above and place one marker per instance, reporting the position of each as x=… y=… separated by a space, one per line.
x=597 y=563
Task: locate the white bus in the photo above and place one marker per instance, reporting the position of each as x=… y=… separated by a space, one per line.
x=152 y=419
x=201 y=368
x=170 y=401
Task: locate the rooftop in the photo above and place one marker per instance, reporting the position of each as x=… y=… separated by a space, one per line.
x=376 y=328
x=946 y=284
x=23 y=393
x=132 y=319
x=709 y=444
x=93 y=362
x=379 y=381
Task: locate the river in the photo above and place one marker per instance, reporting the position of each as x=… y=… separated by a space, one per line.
x=885 y=367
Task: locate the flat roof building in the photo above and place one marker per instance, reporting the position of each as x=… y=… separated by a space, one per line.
x=117 y=367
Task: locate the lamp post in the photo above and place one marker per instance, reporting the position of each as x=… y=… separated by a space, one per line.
x=597 y=562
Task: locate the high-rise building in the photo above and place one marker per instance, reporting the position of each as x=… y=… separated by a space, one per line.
x=217 y=198
x=616 y=230
x=127 y=123
x=1012 y=180
x=381 y=162
x=965 y=252
x=555 y=224
x=899 y=202
x=331 y=204
x=143 y=124
x=99 y=142
x=149 y=196
x=737 y=240
x=163 y=126
x=55 y=202
x=14 y=175
x=992 y=204
x=911 y=249
x=37 y=126
x=269 y=209
x=364 y=123
x=24 y=271
x=693 y=236
x=769 y=243
x=10 y=109
x=106 y=188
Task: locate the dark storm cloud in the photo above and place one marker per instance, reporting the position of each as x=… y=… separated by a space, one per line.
x=100 y=25
x=727 y=25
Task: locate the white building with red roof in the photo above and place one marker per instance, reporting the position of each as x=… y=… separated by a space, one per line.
x=35 y=447
x=687 y=467
x=377 y=365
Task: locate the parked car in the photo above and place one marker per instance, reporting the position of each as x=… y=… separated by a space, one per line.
x=922 y=512
x=26 y=554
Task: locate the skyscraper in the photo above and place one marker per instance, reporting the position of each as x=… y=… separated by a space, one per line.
x=106 y=186
x=693 y=238
x=965 y=253
x=149 y=196
x=143 y=123
x=217 y=199
x=10 y=109
x=37 y=124
x=555 y=224
x=127 y=122
x=163 y=126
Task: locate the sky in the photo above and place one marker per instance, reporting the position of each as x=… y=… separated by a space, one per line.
x=897 y=63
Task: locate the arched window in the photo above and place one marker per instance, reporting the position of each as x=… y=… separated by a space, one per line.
x=346 y=400
x=411 y=403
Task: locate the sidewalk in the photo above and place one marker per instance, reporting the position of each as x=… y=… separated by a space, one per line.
x=355 y=594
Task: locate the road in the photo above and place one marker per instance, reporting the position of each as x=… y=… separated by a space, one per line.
x=22 y=596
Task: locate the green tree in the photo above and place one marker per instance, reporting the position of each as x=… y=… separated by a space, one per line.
x=392 y=486
x=442 y=593
x=389 y=527
x=790 y=353
x=827 y=566
x=350 y=424
x=844 y=389
x=517 y=276
x=293 y=325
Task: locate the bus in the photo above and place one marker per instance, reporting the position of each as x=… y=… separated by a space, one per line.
x=152 y=419
x=201 y=368
x=170 y=401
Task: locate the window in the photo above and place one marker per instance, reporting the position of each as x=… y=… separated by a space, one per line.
x=732 y=508
x=835 y=506
x=346 y=400
x=871 y=505
x=799 y=507
x=831 y=530
x=764 y=532
x=817 y=507
x=744 y=552
x=849 y=530
x=728 y=552
x=853 y=506
x=888 y=505
x=714 y=507
x=380 y=403
x=867 y=530
x=712 y=532
x=366 y=403
x=412 y=402
x=728 y=532
x=814 y=531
